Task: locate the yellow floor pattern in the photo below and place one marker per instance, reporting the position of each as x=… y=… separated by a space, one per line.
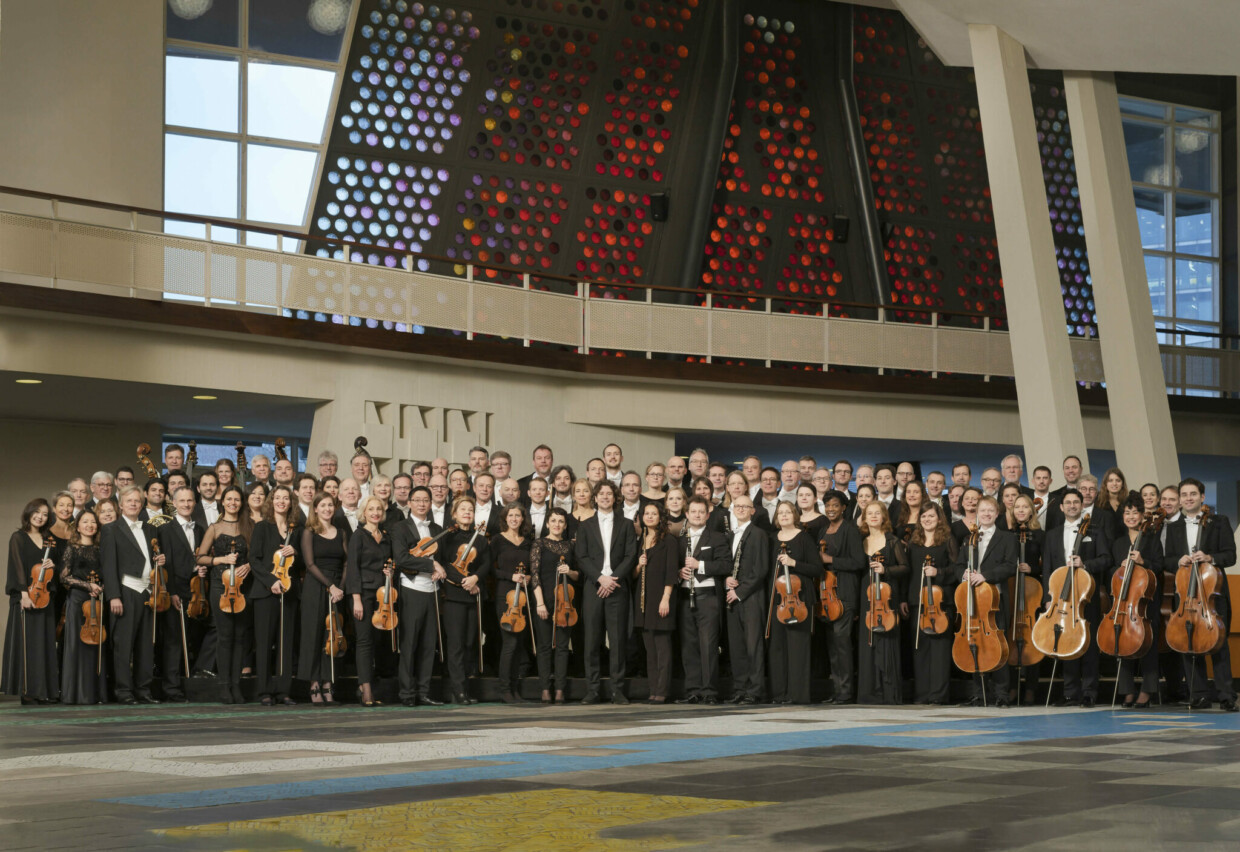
x=537 y=821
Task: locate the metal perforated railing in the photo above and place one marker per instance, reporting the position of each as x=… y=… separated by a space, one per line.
x=128 y=261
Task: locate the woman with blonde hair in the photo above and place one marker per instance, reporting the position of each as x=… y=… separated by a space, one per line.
x=878 y=671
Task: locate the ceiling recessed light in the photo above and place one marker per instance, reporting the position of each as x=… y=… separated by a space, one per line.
x=30 y=381
x=205 y=396
x=234 y=427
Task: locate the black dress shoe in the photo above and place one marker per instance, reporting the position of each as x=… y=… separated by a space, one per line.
x=176 y=699
x=972 y=702
x=1200 y=704
x=1228 y=706
x=1003 y=702
x=1087 y=702
x=267 y=701
x=591 y=699
x=747 y=700
x=1064 y=702
x=710 y=699
x=146 y=699
x=509 y=698
x=690 y=699
x=735 y=699
x=288 y=701
x=462 y=699
x=409 y=702
x=619 y=698
x=1141 y=705
x=430 y=702
x=128 y=701
x=1129 y=703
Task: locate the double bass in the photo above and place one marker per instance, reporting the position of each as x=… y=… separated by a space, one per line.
x=144 y=459
x=1026 y=595
x=1125 y=630
x=1194 y=626
x=243 y=466
x=191 y=461
x=979 y=646
x=1062 y=631
x=281 y=453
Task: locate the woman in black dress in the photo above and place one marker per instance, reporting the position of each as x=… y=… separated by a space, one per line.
x=1007 y=500
x=553 y=560
x=674 y=505
x=878 y=669
x=968 y=512
x=226 y=549
x=807 y=506
x=910 y=504
x=1149 y=556
x=323 y=546
x=657 y=572
x=511 y=563
x=931 y=550
x=793 y=550
x=30 y=668
x=464 y=591
x=275 y=606
x=367 y=568
x=1031 y=542
x=83 y=672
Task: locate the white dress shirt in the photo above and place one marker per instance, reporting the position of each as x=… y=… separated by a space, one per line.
x=615 y=478
x=753 y=491
x=420 y=582
x=1192 y=531
x=187 y=524
x=605 y=520
x=1069 y=536
x=985 y=534
x=139 y=584
x=482 y=514
x=538 y=518
x=630 y=509
x=438 y=513
x=785 y=496
x=211 y=511
x=350 y=515
x=565 y=503
x=769 y=506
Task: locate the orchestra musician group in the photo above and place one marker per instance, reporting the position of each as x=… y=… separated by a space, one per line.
x=765 y=579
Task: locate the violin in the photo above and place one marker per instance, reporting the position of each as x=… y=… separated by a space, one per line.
x=465 y=554
x=232 y=599
x=1061 y=631
x=428 y=546
x=40 y=596
x=1026 y=595
x=143 y=458
x=930 y=616
x=830 y=606
x=197 y=607
x=282 y=566
x=879 y=618
x=565 y=612
x=513 y=619
x=160 y=600
x=1194 y=626
x=980 y=645
x=1125 y=630
x=335 y=645
x=385 y=617
x=791 y=609
x=93 y=632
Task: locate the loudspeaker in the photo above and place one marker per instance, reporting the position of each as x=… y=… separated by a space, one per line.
x=658 y=207
x=839 y=227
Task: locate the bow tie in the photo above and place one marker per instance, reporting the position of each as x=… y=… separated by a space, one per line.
x=1189 y=520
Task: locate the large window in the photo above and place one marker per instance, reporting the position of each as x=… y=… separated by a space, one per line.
x=1173 y=155
x=248 y=87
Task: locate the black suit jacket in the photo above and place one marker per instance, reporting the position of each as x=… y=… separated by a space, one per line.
x=714 y=555
x=121 y=554
x=200 y=515
x=404 y=536
x=181 y=563
x=524 y=484
x=998 y=563
x=755 y=563
x=1095 y=552
x=589 y=548
x=1216 y=540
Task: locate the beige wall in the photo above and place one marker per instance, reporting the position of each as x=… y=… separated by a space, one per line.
x=81 y=99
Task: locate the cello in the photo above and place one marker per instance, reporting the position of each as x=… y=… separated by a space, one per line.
x=930 y=616
x=830 y=606
x=1125 y=630
x=281 y=453
x=979 y=646
x=1026 y=595
x=1194 y=626
x=1061 y=631
x=879 y=618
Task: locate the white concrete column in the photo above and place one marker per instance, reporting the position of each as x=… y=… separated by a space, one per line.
x=1136 y=388
x=1050 y=413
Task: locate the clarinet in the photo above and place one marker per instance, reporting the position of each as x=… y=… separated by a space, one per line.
x=736 y=564
x=684 y=533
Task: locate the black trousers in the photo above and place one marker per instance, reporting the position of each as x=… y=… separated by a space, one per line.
x=512 y=651
x=658 y=661
x=554 y=651
x=273 y=664
x=201 y=635
x=419 y=634
x=932 y=667
x=168 y=644
x=789 y=661
x=1195 y=666
x=1147 y=664
x=746 y=625
x=231 y=632
x=842 y=654
x=699 y=643
x=460 y=625
x=367 y=636
x=133 y=655
x=610 y=614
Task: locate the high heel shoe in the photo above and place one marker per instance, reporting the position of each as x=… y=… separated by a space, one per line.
x=546 y=696
x=559 y=696
x=328 y=697
x=1142 y=705
x=316 y=694
x=1128 y=701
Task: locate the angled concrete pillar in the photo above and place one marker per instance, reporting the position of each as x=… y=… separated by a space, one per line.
x=1050 y=414
x=1136 y=388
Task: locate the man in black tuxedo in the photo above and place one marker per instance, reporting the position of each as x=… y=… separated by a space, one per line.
x=1208 y=540
x=1072 y=470
x=750 y=554
x=419 y=613
x=543 y=462
x=705 y=557
x=207 y=511
x=125 y=551
x=994 y=562
x=606 y=552
x=178 y=539
x=1080 y=676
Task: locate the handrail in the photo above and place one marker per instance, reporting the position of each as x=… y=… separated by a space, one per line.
x=297 y=235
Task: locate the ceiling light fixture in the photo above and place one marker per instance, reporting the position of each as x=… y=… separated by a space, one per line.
x=234 y=427
x=205 y=396
x=30 y=381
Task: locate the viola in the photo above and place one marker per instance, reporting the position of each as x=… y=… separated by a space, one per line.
x=197 y=607
x=232 y=599
x=513 y=619
x=1062 y=631
x=335 y=645
x=1026 y=593
x=930 y=616
x=879 y=618
x=830 y=606
x=93 y=632
x=160 y=600
x=40 y=577
x=1125 y=630
x=282 y=566
x=565 y=612
x=385 y=617
x=1194 y=626
x=144 y=459
x=428 y=546
x=791 y=609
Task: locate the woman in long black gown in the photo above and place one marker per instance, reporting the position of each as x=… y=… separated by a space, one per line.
x=658 y=570
x=30 y=668
x=553 y=559
x=878 y=669
x=793 y=548
x=931 y=551
x=367 y=567
x=84 y=669
x=323 y=546
x=275 y=606
x=511 y=562
x=225 y=549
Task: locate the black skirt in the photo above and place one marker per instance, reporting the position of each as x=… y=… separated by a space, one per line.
x=79 y=684
x=35 y=673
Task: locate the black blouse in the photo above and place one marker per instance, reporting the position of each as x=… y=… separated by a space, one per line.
x=324 y=557
x=79 y=562
x=264 y=542
x=505 y=559
x=24 y=554
x=546 y=555
x=804 y=551
x=941 y=558
x=449 y=546
x=363 y=571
